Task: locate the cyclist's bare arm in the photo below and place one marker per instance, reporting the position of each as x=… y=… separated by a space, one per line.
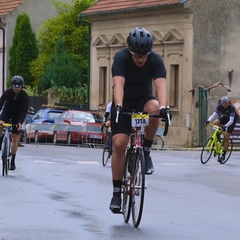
x=118 y=91
x=161 y=89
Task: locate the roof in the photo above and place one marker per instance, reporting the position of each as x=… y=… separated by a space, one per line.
x=6 y=6
x=103 y=6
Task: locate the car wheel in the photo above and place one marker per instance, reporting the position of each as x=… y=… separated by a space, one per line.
x=69 y=139
x=55 y=138
x=36 y=137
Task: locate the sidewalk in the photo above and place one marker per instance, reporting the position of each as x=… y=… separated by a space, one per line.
x=179 y=148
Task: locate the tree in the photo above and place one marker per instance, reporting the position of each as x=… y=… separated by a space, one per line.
x=62 y=74
x=23 y=50
x=75 y=37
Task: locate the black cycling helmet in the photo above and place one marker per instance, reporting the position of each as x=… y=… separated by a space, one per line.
x=224 y=99
x=140 y=41
x=17 y=80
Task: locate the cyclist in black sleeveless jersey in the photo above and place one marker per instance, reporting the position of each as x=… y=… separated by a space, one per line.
x=14 y=105
x=227 y=117
x=134 y=70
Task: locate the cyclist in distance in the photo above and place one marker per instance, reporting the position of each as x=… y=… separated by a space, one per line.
x=227 y=118
x=14 y=105
x=134 y=69
x=107 y=120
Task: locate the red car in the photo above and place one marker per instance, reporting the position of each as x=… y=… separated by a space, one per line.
x=78 y=126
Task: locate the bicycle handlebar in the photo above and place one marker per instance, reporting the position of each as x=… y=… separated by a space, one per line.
x=167 y=119
x=216 y=127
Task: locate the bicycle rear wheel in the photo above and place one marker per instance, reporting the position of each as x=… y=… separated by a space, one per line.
x=138 y=187
x=229 y=152
x=126 y=191
x=207 y=151
x=158 y=142
x=5 y=161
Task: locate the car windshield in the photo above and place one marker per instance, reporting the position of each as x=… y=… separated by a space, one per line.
x=98 y=118
x=83 y=116
x=53 y=115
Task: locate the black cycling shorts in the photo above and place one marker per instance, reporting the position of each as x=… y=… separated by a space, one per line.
x=124 y=121
x=8 y=119
x=223 y=120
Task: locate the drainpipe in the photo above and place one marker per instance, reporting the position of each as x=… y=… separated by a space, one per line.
x=3 y=59
x=89 y=46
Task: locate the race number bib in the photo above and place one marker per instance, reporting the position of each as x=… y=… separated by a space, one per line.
x=140 y=120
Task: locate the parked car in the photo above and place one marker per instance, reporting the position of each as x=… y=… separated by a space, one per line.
x=27 y=120
x=81 y=127
x=45 y=115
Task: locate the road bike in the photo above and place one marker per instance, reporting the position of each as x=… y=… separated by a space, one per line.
x=134 y=184
x=107 y=148
x=6 y=148
x=215 y=145
x=158 y=142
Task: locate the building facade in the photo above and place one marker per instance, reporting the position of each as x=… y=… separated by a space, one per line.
x=198 y=42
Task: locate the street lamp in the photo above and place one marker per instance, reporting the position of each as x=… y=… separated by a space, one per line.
x=3 y=54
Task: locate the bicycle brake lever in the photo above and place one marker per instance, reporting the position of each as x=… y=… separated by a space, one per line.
x=168 y=115
x=117 y=112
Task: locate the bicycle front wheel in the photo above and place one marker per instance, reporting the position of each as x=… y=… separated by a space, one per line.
x=229 y=152
x=126 y=190
x=207 y=151
x=5 y=162
x=138 y=187
x=158 y=142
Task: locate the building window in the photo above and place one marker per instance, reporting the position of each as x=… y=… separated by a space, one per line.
x=102 y=85
x=174 y=86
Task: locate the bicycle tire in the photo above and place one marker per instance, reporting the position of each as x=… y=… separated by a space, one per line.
x=126 y=191
x=138 y=187
x=5 y=164
x=207 y=151
x=107 y=151
x=229 y=152
x=158 y=142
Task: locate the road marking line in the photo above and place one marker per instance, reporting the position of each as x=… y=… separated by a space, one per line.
x=88 y=162
x=172 y=164
x=41 y=161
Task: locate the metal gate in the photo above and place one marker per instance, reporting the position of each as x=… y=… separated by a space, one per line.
x=203 y=114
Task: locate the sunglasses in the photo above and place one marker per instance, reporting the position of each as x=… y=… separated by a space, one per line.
x=139 y=55
x=17 y=85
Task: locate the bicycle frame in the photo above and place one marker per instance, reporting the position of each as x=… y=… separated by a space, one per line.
x=139 y=120
x=133 y=184
x=216 y=146
x=6 y=149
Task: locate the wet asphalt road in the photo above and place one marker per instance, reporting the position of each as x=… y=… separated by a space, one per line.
x=63 y=193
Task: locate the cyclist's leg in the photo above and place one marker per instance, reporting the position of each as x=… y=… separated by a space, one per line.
x=227 y=139
x=149 y=104
x=120 y=132
x=1 y=135
x=107 y=126
x=218 y=123
x=15 y=139
x=118 y=168
x=3 y=119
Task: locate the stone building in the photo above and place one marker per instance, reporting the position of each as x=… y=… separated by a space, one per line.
x=198 y=41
